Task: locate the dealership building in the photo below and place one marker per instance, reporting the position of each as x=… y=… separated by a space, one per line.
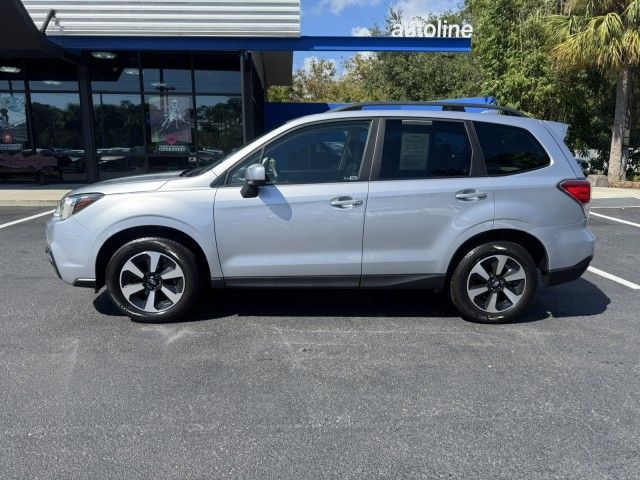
x=95 y=90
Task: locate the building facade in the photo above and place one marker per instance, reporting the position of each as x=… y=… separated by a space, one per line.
x=96 y=90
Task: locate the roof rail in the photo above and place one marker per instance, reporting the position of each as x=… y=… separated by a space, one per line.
x=446 y=106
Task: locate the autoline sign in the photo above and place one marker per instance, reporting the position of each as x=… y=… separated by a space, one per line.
x=440 y=29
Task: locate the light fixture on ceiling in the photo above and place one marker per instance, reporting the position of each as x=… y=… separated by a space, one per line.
x=52 y=82
x=131 y=71
x=9 y=69
x=159 y=84
x=103 y=55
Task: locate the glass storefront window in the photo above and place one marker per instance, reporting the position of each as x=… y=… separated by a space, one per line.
x=58 y=133
x=12 y=85
x=119 y=138
x=219 y=126
x=170 y=131
x=16 y=159
x=217 y=81
x=52 y=84
x=166 y=80
x=121 y=74
x=50 y=75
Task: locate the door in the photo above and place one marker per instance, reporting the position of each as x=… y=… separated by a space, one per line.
x=428 y=190
x=306 y=224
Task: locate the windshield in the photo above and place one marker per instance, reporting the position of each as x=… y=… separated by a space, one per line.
x=192 y=172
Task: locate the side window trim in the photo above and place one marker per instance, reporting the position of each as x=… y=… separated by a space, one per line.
x=365 y=167
x=477 y=168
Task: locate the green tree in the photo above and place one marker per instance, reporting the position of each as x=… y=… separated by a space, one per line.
x=604 y=34
x=414 y=76
x=512 y=44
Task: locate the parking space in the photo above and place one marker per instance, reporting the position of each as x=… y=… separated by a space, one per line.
x=12 y=215
x=311 y=384
x=618 y=247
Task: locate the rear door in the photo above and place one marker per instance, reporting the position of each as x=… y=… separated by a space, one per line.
x=428 y=190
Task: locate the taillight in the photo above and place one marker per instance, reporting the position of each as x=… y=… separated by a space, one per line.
x=579 y=190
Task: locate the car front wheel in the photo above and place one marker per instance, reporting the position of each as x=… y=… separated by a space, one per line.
x=494 y=282
x=153 y=280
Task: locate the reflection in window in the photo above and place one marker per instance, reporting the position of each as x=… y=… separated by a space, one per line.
x=15 y=157
x=219 y=126
x=323 y=153
x=58 y=132
x=52 y=75
x=118 y=130
x=217 y=81
x=12 y=85
x=166 y=80
x=119 y=75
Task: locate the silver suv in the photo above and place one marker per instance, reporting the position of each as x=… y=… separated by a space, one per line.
x=486 y=207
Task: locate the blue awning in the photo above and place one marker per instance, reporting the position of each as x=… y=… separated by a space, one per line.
x=266 y=44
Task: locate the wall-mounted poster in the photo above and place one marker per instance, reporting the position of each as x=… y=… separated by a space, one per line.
x=13 y=123
x=171 y=123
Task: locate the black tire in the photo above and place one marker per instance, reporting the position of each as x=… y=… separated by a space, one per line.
x=173 y=257
x=464 y=284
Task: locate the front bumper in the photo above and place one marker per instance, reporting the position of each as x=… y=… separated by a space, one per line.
x=69 y=249
x=52 y=260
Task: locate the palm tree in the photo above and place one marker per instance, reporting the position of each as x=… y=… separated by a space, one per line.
x=604 y=34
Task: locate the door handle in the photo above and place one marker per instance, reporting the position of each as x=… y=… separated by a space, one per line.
x=470 y=195
x=345 y=202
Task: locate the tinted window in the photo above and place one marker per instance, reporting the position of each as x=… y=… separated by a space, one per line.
x=509 y=150
x=219 y=127
x=425 y=149
x=58 y=133
x=330 y=152
x=118 y=121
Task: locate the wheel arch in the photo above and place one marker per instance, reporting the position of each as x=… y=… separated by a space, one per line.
x=532 y=244
x=113 y=243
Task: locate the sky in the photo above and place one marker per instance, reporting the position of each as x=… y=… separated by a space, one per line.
x=354 y=17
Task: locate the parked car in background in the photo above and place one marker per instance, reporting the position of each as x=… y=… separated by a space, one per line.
x=485 y=207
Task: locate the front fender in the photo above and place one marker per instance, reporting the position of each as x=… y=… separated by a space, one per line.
x=190 y=212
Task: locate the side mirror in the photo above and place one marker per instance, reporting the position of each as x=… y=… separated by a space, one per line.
x=254 y=177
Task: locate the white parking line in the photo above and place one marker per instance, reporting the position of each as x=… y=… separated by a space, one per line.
x=26 y=219
x=621 y=281
x=621 y=206
x=613 y=219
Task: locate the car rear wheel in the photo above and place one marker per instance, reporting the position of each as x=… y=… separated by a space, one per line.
x=153 y=280
x=494 y=282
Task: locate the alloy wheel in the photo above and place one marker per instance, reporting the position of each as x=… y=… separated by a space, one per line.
x=496 y=284
x=152 y=281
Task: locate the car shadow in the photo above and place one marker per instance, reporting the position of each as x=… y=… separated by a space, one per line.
x=575 y=299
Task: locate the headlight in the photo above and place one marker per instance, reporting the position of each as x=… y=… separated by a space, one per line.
x=72 y=204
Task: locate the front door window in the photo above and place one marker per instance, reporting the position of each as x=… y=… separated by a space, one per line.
x=326 y=153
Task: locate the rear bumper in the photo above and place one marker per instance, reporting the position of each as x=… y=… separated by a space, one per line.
x=568 y=274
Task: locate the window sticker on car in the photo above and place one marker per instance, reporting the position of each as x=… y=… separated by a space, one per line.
x=414 y=151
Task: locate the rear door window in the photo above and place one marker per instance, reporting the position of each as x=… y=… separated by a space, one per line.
x=508 y=150
x=417 y=148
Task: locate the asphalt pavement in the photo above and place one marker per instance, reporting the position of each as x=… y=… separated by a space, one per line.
x=320 y=384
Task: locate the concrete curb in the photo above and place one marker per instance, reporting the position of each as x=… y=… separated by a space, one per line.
x=28 y=203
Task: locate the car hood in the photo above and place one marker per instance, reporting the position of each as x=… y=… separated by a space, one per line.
x=137 y=183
